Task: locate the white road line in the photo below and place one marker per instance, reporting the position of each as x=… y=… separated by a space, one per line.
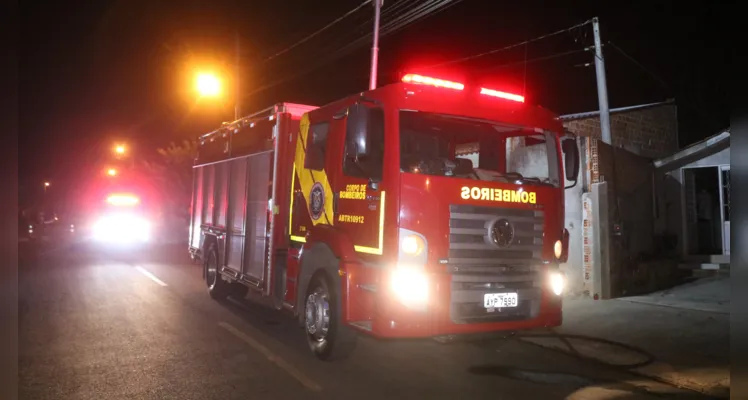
x=150 y=275
x=298 y=375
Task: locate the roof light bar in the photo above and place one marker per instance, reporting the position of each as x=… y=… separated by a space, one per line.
x=425 y=80
x=122 y=200
x=503 y=95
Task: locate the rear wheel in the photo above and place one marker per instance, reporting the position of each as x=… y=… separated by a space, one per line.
x=218 y=288
x=328 y=337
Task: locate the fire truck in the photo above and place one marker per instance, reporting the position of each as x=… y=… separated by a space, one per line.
x=422 y=209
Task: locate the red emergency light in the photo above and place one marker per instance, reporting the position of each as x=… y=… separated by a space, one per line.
x=503 y=95
x=122 y=200
x=425 y=80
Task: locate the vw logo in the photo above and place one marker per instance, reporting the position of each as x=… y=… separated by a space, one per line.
x=502 y=233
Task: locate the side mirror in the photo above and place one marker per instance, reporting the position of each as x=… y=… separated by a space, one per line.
x=357 y=139
x=571 y=159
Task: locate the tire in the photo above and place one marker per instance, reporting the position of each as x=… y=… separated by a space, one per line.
x=328 y=338
x=218 y=288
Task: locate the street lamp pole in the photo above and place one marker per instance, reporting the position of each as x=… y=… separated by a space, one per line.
x=237 y=105
x=375 y=46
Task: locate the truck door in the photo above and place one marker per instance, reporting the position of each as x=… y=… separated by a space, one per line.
x=358 y=199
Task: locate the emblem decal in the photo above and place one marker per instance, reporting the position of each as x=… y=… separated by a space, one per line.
x=317 y=201
x=502 y=233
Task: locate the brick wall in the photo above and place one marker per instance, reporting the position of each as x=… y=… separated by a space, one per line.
x=648 y=132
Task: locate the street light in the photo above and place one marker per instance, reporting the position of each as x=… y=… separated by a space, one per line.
x=46 y=185
x=207 y=85
x=119 y=149
x=112 y=172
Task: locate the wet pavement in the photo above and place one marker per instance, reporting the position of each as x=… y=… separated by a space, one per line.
x=95 y=325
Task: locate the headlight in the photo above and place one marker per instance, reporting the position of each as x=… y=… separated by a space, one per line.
x=557 y=281
x=412 y=245
x=410 y=285
x=413 y=248
x=558 y=249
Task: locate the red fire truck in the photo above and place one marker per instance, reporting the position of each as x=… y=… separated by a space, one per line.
x=424 y=208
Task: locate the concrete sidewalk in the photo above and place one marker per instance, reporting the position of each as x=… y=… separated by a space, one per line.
x=708 y=294
x=684 y=347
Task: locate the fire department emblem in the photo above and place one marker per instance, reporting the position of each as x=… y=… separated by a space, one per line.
x=316 y=201
x=502 y=233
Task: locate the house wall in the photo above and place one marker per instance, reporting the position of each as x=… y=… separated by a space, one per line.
x=630 y=195
x=648 y=132
x=638 y=137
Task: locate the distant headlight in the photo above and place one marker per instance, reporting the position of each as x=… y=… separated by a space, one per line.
x=121 y=229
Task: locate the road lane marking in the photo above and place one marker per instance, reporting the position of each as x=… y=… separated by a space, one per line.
x=290 y=369
x=150 y=275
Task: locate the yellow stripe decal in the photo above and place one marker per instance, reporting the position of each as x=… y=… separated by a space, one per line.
x=300 y=239
x=307 y=177
x=378 y=250
x=290 y=210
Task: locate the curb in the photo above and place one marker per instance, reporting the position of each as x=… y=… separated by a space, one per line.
x=714 y=391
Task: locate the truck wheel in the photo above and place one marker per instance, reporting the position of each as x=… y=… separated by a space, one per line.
x=328 y=338
x=217 y=287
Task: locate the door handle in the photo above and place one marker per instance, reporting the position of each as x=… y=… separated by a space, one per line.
x=335 y=197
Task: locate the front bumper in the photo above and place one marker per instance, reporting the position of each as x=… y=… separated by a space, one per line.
x=455 y=305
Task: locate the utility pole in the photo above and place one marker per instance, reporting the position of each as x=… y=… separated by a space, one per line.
x=375 y=46
x=237 y=105
x=602 y=86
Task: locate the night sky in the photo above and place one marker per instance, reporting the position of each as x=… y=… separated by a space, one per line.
x=98 y=71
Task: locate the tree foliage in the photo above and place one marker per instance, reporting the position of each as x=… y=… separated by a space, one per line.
x=172 y=175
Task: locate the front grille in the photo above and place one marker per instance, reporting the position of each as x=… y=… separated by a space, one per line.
x=470 y=243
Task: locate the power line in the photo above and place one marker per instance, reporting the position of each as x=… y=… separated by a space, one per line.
x=395 y=7
x=385 y=30
x=532 y=60
x=684 y=99
x=494 y=51
x=638 y=64
x=386 y=12
x=390 y=28
x=414 y=15
x=319 y=31
x=444 y=5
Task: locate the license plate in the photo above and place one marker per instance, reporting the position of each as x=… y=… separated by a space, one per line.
x=500 y=300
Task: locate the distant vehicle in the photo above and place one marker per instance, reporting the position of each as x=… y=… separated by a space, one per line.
x=27 y=230
x=121 y=221
x=425 y=208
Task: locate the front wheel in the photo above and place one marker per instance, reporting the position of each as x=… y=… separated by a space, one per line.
x=328 y=337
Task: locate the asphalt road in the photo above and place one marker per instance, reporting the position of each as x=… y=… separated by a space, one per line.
x=101 y=326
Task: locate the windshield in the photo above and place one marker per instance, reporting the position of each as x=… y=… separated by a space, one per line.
x=443 y=145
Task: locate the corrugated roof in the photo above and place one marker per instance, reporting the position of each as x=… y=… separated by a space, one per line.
x=696 y=151
x=570 y=117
